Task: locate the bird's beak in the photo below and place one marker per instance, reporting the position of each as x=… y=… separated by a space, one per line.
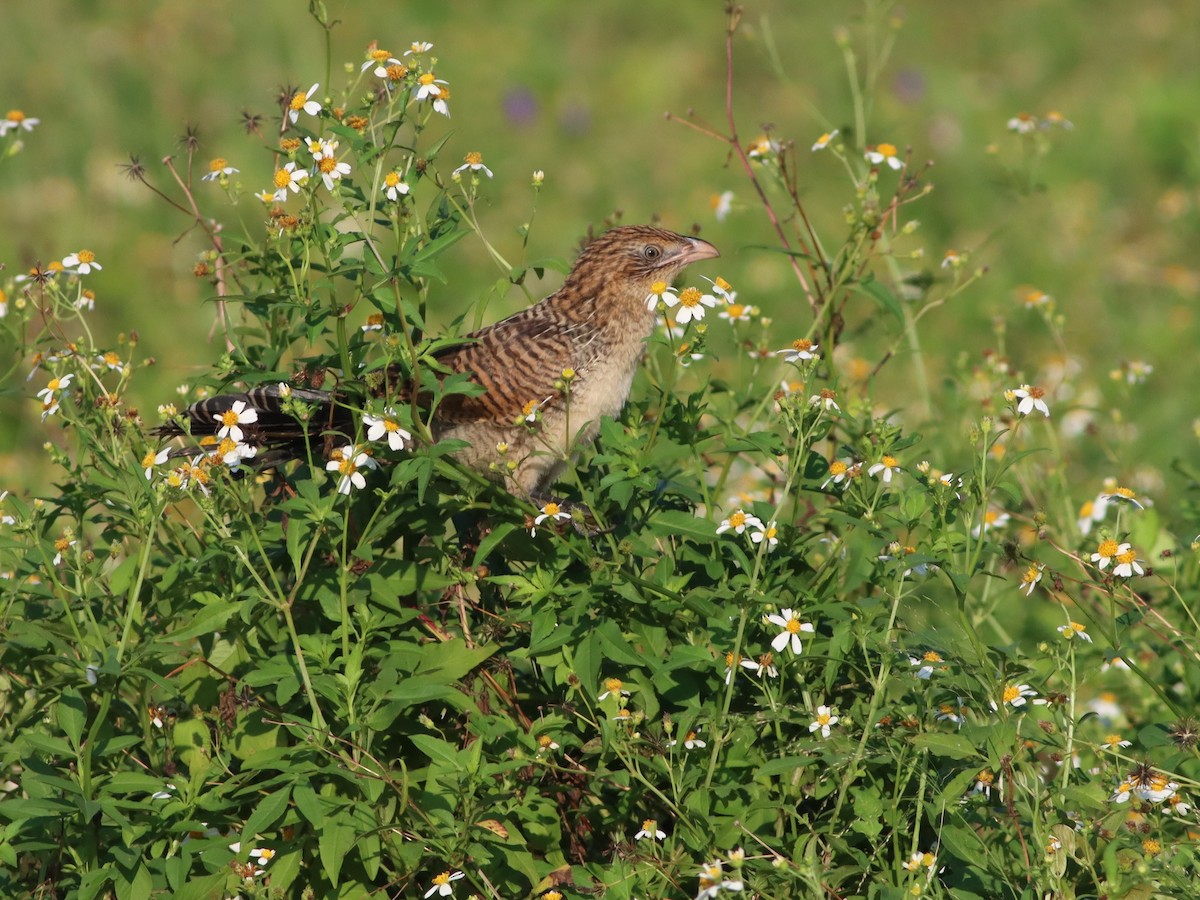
x=698 y=250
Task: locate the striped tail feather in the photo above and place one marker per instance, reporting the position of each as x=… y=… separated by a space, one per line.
x=276 y=435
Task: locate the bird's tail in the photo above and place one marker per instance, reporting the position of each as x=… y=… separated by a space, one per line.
x=279 y=422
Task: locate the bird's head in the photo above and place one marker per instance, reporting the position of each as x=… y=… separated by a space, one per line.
x=633 y=257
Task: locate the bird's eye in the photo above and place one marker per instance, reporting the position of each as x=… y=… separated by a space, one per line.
x=651 y=251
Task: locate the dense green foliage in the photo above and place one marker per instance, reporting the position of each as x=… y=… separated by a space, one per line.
x=827 y=630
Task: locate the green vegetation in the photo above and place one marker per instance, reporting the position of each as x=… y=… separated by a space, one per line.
x=895 y=587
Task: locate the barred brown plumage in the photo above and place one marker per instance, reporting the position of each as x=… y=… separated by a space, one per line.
x=596 y=324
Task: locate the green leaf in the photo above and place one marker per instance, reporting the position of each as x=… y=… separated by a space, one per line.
x=47 y=743
x=767 y=443
x=879 y=292
x=868 y=810
x=335 y=842
x=492 y=541
x=312 y=806
x=677 y=523
x=71 y=714
x=952 y=746
x=436 y=749
x=92 y=882
x=963 y=843
x=211 y=617
x=203 y=888
x=267 y=812
x=122 y=576
x=785 y=766
x=453 y=659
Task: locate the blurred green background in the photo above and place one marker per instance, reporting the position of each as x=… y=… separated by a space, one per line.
x=580 y=91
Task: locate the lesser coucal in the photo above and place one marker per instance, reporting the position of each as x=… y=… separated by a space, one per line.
x=595 y=325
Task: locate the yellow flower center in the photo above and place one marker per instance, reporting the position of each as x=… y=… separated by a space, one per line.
x=111 y=358
x=838 y=468
x=1032 y=574
x=380 y=55
x=722 y=284
x=266 y=855
x=986 y=778
x=1127 y=557
x=282 y=178
x=347 y=466
x=804 y=344
x=391 y=179
x=545 y=741
x=1125 y=492
x=1107 y=548
x=298 y=101
x=474 y=158
x=823 y=718
x=612 y=685
x=396 y=72
x=15 y=115
x=732 y=659
x=229 y=418
x=1112 y=740
x=771 y=532
x=932 y=656
x=1036 y=393
x=1010 y=694
x=217 y=164
x=889 y=461
x=327 y=164
x=886 y=149
x=658 y=287
x=148 y=459
x=529 y=407
x=86 y=256
x=649 y=825
x=375 y=319
x=62 y=544
x=690 y=297
x=793 y=625
x=737 y=520
x=427 y=78
x=550 y=509
x=444 y=878
x=735 y=310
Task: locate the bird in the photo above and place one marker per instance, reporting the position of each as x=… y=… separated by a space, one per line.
x=548 y=374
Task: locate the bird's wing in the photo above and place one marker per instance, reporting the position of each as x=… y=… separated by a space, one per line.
x=517 y=361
